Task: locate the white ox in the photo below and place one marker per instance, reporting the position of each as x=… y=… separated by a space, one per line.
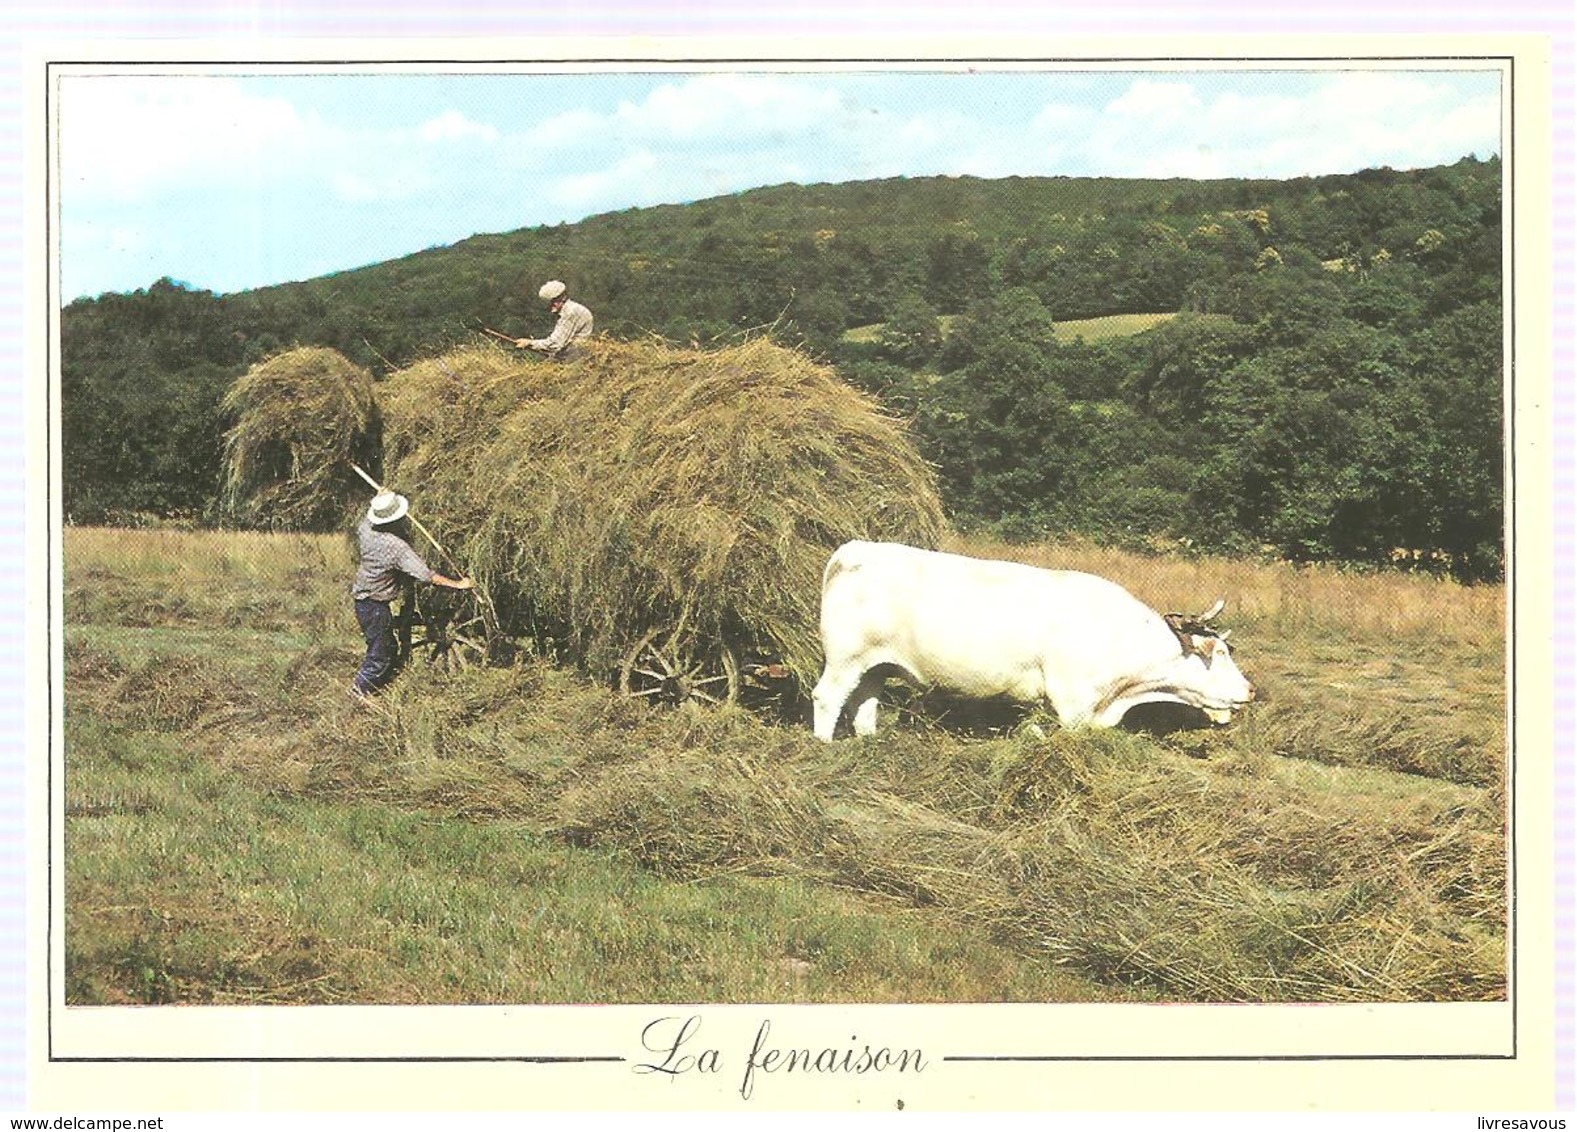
x=985 y=628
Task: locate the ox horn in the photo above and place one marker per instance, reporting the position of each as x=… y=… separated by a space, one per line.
x=1210 y=614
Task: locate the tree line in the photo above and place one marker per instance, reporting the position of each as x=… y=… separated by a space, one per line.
x=1330 y=387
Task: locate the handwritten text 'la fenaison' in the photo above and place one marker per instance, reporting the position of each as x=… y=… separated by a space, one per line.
x=674 y=1040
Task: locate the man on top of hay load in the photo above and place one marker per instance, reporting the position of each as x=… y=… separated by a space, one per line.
x=573 y=326
x=385 y=555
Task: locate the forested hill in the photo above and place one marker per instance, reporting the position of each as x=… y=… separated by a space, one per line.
x=1332 y=330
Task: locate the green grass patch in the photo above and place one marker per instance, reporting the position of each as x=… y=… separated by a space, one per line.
x=1094 y=330
x=188 y=883
x=1090 y=330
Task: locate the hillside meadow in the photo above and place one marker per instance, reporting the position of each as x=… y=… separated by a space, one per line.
x=238 y=830
x=1067 y=330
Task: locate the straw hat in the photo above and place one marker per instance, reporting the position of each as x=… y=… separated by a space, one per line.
x=551 y=290
x=388 y=507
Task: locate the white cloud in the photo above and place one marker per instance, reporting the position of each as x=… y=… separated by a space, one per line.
x=123 y=138
x=452 y=125
x=627 y=177
x=699 y=109
x=1148 y=100
x=403 y=183
x=937 y=133
x=1059 y=119
x=708 y=134
x=736 y=105
x=571 y=127
x=1402 y=120
x=1343 y=122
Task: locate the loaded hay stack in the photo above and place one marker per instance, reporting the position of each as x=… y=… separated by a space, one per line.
x=656 y=512
x=304 y=416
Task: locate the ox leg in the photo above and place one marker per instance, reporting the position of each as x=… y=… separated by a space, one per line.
x=1112 y=714
x=866 y=695
x=831 y=693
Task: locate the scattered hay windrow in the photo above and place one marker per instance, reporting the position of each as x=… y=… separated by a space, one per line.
x=1240 y=877
x=166 y=693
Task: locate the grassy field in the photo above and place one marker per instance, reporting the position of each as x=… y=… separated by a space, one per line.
x=1088 y=329
x=1109 y=326
x=238 y=830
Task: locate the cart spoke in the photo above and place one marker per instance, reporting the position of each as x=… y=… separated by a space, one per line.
x=662 y=666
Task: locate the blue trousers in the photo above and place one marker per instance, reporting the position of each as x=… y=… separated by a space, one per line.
x=383 y=653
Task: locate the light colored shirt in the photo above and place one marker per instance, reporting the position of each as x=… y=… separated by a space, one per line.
x=384 y=557
x=574 y=324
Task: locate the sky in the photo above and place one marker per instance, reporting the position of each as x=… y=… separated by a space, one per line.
x=227 y=181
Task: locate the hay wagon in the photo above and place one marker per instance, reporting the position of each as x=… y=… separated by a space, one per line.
x=662 y=662
x=656 y=516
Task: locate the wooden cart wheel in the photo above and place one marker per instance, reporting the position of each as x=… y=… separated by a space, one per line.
x=453 y=641
x=663 y=669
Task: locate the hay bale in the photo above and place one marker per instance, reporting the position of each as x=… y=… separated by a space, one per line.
x=302 y=417
x=645 y=487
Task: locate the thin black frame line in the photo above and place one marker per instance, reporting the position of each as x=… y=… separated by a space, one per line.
x=956 y=60
x=526 y=1059
x=1509 y=518
x=1510 y=285
x=52 y=147
x=1232 y=1057
x=546 y=1059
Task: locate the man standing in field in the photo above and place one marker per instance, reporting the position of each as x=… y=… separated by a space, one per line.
x=386 y=557
x=573 y=326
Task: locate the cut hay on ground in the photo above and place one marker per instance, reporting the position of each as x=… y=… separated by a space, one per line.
x=645 y=489
x=1238 y=864
x=301 y=419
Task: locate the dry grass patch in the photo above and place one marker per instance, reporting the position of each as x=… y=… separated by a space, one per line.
x=204 y=579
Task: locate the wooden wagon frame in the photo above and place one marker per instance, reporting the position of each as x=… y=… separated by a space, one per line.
x=660 y=661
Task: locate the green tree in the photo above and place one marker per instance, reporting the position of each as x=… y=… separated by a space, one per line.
x=1321 y=450
x=999 y=427
x=1459 y=378
x=1181 y=360
x=912 y=335
x=958 y=266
